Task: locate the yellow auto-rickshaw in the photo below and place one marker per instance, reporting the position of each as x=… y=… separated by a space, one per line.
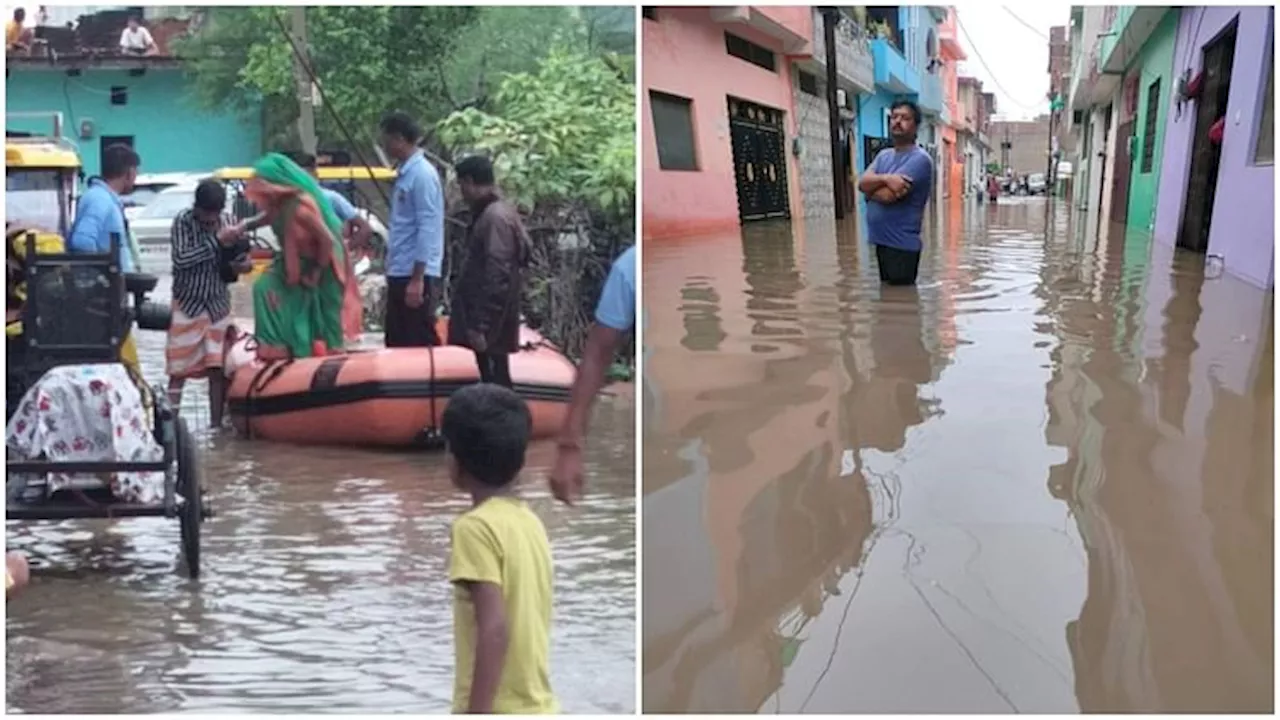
x=41 y=177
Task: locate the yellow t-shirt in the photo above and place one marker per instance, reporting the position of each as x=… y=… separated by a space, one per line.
x=12 y=32
x=503 y=542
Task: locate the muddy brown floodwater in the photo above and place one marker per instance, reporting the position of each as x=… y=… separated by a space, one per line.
x=323 y=589
x=1042 y=482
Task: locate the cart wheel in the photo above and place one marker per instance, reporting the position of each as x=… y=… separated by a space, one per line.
x=191 y=513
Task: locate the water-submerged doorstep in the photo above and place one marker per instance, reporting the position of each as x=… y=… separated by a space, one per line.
x=1040 y=482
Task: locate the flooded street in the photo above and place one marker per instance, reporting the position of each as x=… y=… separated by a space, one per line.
x=1041 y=482
x=324 y=585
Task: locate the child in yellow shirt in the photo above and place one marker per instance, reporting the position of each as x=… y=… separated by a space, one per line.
x=500 y=564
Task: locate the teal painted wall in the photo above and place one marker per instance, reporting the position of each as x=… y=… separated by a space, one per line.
x=1156 y=62
x=171 y=134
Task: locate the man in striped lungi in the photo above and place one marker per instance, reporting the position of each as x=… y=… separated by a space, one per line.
x=201 y=301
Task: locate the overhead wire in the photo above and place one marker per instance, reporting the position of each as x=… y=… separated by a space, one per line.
x=1025 y=24
x=994 y=80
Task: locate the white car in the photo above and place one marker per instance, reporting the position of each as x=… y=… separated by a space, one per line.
x=1036 y=184
x=151 y=223
x=147 y=187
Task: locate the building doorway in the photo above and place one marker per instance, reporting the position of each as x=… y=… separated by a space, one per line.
x=759 y=160
x=1120 y=169
x=107 y=141
x=944 y=170
x=1102 y=166
x=1206 y=156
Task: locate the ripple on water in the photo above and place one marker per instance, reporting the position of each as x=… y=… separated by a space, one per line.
x=324 y=587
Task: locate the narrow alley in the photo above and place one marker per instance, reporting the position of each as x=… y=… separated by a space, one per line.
x=1042 y=481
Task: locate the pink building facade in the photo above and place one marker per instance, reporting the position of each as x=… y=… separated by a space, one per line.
x=700 y=66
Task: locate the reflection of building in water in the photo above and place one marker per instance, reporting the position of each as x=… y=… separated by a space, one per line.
x=1167 y=417
x=750 y=518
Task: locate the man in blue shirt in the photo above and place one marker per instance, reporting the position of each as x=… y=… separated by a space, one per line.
x=415 y=242
x=355 y=229
x=615 y=315
x=100 y=212
x=897 y=186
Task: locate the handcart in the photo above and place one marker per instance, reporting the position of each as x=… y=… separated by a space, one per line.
x=75 y=313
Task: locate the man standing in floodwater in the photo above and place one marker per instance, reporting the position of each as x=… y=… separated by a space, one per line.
x=415 y=242
x=897 y=186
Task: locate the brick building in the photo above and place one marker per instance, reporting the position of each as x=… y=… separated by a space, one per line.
x=1028 y=144
x=1059 y=82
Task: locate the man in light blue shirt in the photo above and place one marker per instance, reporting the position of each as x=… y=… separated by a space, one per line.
x=415 y=240
x=100 y=212
x=356 y=231
x=615 y=315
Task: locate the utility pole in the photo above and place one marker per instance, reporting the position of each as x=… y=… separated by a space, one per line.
x=1006 y=148
x=1048 y=173
x=831 y=16
x=306 y=110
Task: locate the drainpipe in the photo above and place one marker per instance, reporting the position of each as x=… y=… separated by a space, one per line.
x=830 y=17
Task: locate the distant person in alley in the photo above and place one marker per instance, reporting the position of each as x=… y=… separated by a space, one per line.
x=415 y=242
x=897 y=186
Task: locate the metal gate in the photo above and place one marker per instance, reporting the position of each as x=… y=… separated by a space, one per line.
x=759 y=160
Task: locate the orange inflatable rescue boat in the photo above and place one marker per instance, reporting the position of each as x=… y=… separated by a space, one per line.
x=391 y=398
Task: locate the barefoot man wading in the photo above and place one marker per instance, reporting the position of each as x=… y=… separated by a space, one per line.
x=897 y=188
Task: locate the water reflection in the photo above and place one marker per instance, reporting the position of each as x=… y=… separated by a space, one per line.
x=324 y=586
x=970 y=496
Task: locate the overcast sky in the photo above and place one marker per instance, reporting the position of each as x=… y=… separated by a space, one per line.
x=1017 y=54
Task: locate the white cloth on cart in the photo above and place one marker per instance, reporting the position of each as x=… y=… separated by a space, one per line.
x=88 y=413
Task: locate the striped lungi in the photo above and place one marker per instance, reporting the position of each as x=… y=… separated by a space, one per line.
x=195 y=344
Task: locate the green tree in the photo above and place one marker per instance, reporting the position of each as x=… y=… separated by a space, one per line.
x=429 y=61
x=560 y=134
x=369 y=59
x=562 y=140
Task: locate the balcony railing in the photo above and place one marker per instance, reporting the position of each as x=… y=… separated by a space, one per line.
x=854 y=62
x=891 y=70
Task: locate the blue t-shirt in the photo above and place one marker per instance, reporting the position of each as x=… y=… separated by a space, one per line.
x=342 y=207
x=617 y=306
x=99 y=215
x=898 y=225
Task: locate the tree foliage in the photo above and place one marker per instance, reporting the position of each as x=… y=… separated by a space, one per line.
x=368 y=59
x=429 y=61
x=562 y=140
x=563 y=132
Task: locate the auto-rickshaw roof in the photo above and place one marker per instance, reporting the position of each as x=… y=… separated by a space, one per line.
x=326 y=174
x=37 y=153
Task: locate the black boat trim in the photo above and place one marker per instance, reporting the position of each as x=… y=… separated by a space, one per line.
x=378 y=390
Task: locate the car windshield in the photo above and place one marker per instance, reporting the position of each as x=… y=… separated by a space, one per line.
x=167 y=205
x=143 y=194
x=1037 y=178
x=33 y=198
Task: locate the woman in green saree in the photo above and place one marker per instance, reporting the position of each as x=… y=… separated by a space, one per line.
x=307 y=303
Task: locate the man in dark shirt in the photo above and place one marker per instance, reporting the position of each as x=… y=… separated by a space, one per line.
x=201 y=301
x=897 y=186
x=486 y=306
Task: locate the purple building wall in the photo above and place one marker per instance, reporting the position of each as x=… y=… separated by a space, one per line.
x=1243 y=228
